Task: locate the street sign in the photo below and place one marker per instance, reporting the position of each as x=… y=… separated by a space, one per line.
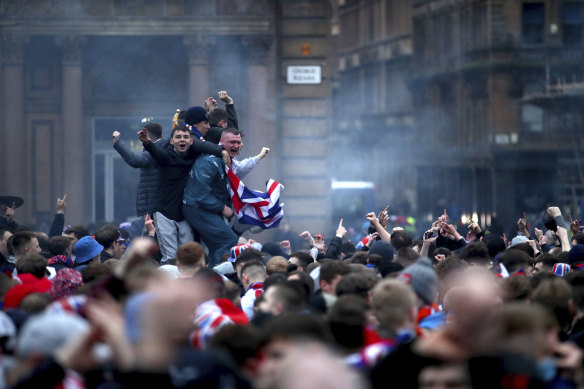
x=304 y=74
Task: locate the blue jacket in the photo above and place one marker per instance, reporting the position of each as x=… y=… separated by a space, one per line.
x=207 y=184
x=148 y=186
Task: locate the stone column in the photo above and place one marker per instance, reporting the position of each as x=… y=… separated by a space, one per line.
x=260 y=131
x=14 y=133
x=75 y=160
x=198 y=49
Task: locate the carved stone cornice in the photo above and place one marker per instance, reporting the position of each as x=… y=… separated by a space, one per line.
x=109 y=26
x=71 y=48
x=199 y=48
x=257 y=48
x=12 y=48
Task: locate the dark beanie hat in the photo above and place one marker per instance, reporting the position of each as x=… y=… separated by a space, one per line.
x=576 y=254
x=495 y=244
x=273 y=249
x=382 y=248
x=422 y=278
x=195 y=115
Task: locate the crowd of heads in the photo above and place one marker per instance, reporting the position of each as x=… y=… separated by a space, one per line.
x=455 y=307
x=421 y=312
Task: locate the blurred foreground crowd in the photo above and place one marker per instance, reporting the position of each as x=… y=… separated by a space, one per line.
x=96 y=309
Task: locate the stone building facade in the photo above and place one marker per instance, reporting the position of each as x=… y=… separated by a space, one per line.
x=469 y=104
x=75 y=71
x=448 y=91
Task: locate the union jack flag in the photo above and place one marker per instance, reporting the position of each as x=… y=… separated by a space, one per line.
x=503 y=272
x=236 y=250
x=211 y=316
x=363 y=242
x=74 y=304
x=262 y=209
x=561 y=269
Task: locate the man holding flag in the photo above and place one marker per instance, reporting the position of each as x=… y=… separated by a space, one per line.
x=210 y=191
x=206 y=201
x=262 y=209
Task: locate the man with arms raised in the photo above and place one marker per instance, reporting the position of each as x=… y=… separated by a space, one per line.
x=175 y=163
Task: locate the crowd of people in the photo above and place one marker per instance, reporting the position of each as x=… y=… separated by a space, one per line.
x=185 y=300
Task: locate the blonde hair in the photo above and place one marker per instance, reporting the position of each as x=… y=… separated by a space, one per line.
x=392 y=302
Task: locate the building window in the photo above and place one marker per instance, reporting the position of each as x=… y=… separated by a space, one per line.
x=480 y=33
x=533 y=21
x=349 y=28
x=532 y=118
x=420 y=39
x=446 y=34
x=572 y=23
x=372 y=20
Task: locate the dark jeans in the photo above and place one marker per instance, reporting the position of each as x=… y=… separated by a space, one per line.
x=218 y=236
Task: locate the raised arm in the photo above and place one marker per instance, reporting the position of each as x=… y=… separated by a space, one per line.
x=59 y=219
x=242 y=168
x=556 y=214
x=202 y=147
x=158 y=154
x=135 y=160
x=334 y=247
x=562 y=234
x=11 y=224
x=430 y=237
x=210 y=104
x=383 y=234
x=522 y=226
x=230 y=109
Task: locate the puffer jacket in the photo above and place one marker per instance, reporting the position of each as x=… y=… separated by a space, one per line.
x=148 y=186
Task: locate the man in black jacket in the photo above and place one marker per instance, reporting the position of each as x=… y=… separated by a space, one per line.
x=220 y=119
x=175 y=163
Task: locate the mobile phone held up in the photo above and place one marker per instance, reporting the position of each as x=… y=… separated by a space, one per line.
x=431 y=234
